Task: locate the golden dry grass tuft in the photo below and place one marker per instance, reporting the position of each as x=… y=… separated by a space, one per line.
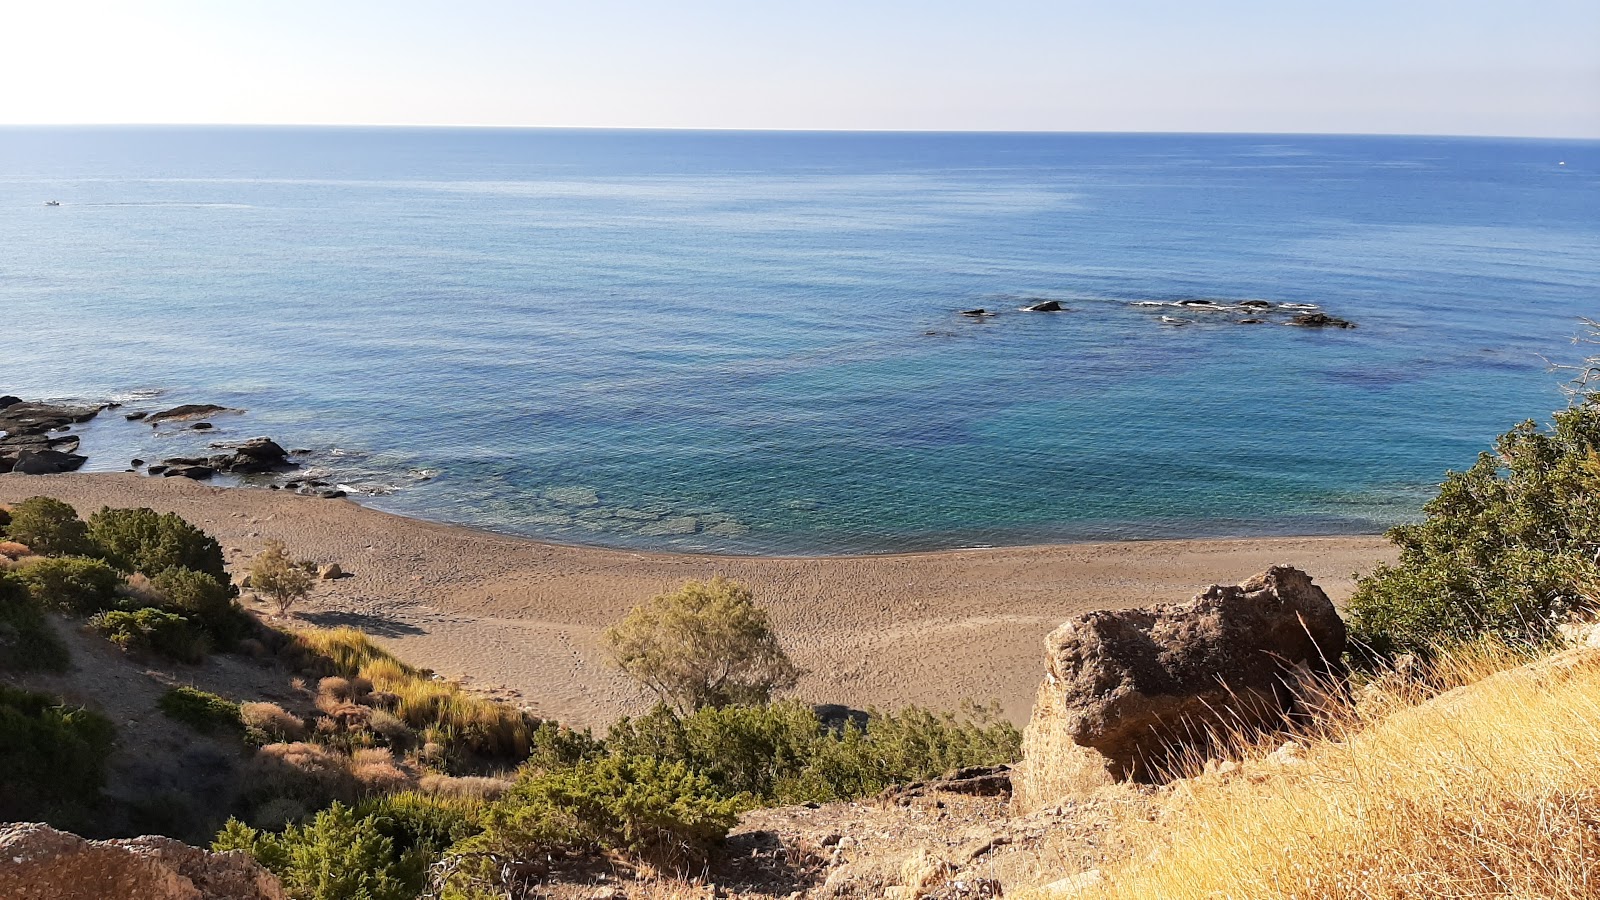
x=1419 y=791
x=464 y=720
x=273 y=721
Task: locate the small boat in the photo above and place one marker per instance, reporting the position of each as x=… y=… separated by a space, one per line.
x=52 y=203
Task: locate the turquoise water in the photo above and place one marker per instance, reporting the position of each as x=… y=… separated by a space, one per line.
x=749 y=341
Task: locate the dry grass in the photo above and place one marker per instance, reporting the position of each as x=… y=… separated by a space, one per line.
x=273 y=721
x=14 y=550
x=468 y=787
x=464 y=720
x=1488 y=790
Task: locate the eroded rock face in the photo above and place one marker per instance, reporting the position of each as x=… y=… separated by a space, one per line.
x=38 y=862
x=1125 y=689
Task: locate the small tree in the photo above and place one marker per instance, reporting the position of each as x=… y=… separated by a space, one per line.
x=706 y=644
x=49 y=528
x=142 y=540
x=277 y=575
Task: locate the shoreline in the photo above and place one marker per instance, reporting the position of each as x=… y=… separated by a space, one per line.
x=521 y=618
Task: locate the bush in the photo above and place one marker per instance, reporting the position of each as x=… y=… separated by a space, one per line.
x=338 y=856
x=269 y=722
x=141 y=540
x=152 y=631
x=1508 y=547
x=662 y=812
x=707 y=644
x=54 y=755
x=26 y=639
x=200 y=710
x=426 y=822
x=206 y=602
x=71 y=583
x=279 y=576
x=50 y=528
x=784 y=754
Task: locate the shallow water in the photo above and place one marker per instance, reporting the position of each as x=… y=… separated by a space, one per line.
x=750 y=342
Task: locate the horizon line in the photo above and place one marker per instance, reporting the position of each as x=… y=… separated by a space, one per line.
x=786 y=130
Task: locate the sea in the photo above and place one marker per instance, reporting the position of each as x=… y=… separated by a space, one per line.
x=753 y=342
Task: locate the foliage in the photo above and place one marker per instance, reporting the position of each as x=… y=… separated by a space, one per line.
x=1508 y=547
x=54 y=755
x=337 y=856
x=26 y=640
x=204 y=601
x=152 y=631
x=466 y=723
x=71 y=583
x=424 y=822
x=663 y=812
x=200 y=710
x=279 y=576
x=706 y=644
x=141 y=540
x=783 y=753
x=50 y=528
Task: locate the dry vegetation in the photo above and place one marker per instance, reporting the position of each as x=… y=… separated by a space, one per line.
x=1487 y=790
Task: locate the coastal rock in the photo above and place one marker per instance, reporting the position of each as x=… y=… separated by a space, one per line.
x=187 y=411
x=24 y=418
x=1126 y=690
x=1255 y=304
x=197 y=473
x=1046 y=306
x=135 y=417
x=1252 y=321
x=41 y=863
x=1320 y=320
x=9 y=400
x=201 y=426
x=256 y=456
x=979 y=313
x=46 y=462
x=330 y=572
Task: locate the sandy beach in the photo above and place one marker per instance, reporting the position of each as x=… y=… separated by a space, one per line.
x=523 y=618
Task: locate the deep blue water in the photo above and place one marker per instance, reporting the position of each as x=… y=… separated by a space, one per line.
x=603 y=336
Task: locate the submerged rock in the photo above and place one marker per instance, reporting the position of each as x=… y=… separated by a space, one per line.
x=1320 y=320
x=1128 y=691
x=1046 y=306
x=979 y=313
x=187 y=411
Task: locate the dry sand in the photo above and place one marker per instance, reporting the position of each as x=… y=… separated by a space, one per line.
x=524 y=617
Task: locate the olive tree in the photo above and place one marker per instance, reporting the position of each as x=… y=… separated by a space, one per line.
x=706 y=644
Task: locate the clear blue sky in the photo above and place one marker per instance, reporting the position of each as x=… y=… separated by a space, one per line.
x=1406 y=66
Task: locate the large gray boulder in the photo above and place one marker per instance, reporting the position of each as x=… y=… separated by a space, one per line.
x=1126 y=690
x=38 y=862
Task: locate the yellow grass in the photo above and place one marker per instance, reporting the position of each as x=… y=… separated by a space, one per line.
x=1489 y=790
x=441 y=708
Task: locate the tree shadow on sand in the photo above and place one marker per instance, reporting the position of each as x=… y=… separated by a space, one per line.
x=380 y=626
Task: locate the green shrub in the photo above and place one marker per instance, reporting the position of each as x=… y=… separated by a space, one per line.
x=50 y=528
x=206 y=602
x=5 y=519
x=200 y=710
x=141 y=540
x=1507 y=548
x=26 y=639
x=783 y=753
x=337 y=856
x=662 y=812
x=152 y=631
x=52 y=756
x=424 y=822
x=71 y=583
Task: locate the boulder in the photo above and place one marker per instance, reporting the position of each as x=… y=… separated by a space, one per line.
x=135 y=416
x=201 y=426
x=1046 y=306
x=330 y=572
x=256 y=456
x=1255 y=304
x=1127 y=692
x=41 y=863
x=197 y=473
x=979 y=313
x=187 y=411
x=46 y=462
x=9 y=400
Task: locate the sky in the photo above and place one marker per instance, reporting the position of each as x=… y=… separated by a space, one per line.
x=1475 y=67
